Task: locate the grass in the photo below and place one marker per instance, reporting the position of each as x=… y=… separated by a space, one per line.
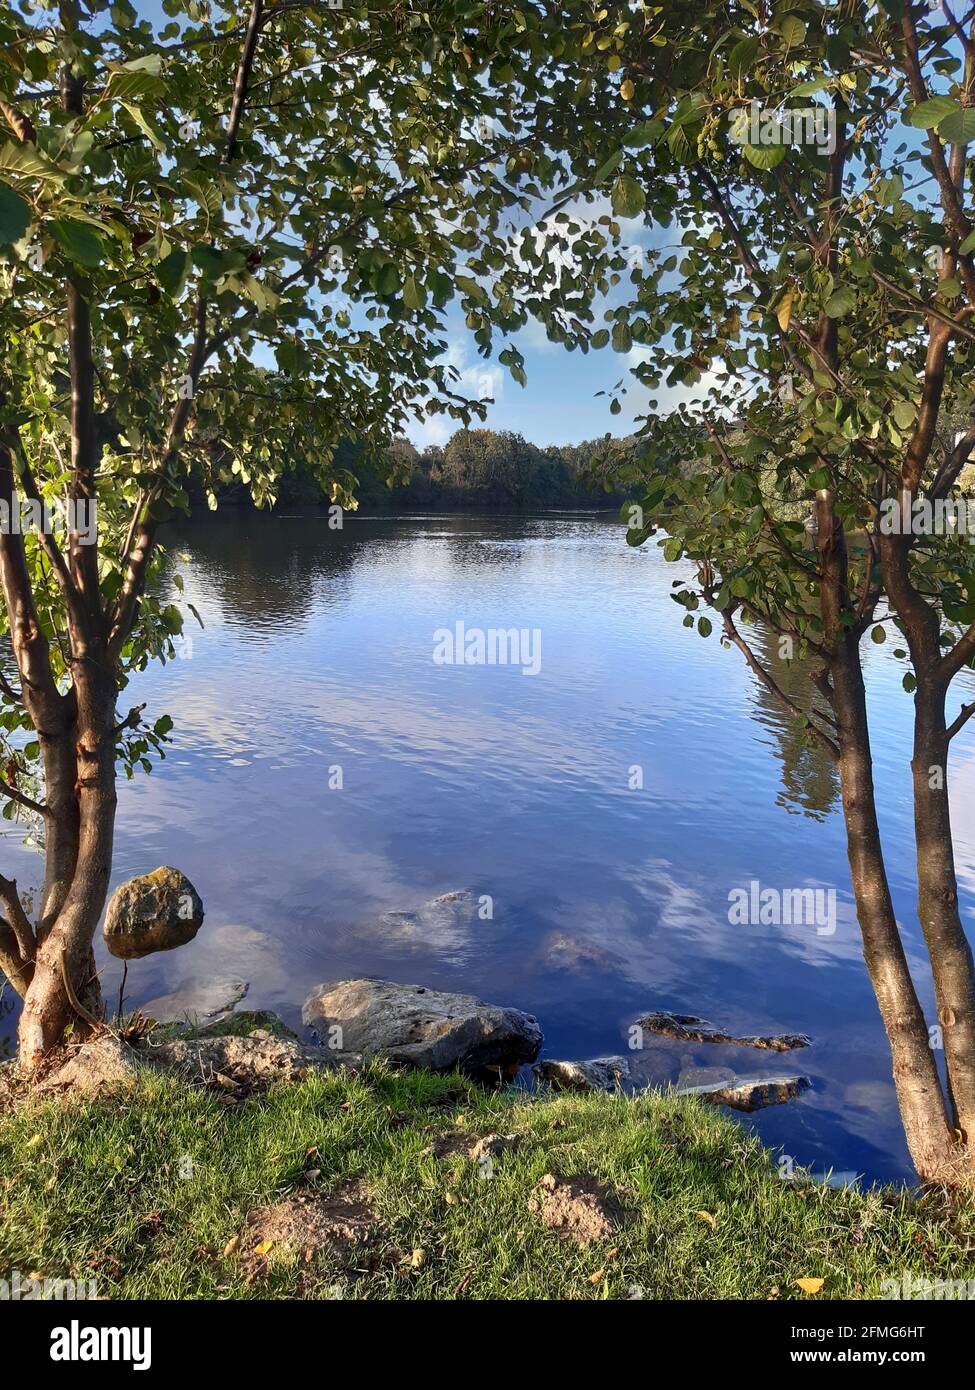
x=94 y=1190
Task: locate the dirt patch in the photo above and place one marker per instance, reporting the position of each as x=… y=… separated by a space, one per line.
x=447 y=1145
x=340 y=1225
x=493 y=1146
x=579 y=1209
x=490 y=1146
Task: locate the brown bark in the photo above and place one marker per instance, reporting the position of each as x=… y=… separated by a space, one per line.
x=949 y=951
x=919 y=1093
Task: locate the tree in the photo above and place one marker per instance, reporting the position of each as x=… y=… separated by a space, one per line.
x=817 y=299
x=228 y=242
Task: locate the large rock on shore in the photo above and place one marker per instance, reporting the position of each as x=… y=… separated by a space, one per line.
x=420 y=1027
x=254 y=1061
x=155 y=912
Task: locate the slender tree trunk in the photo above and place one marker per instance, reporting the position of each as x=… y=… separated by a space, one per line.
x=948 y=946
x=918 y=1086
x=64 y=964
x=952 y=966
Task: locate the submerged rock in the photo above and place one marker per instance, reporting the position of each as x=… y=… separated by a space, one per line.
x=688 y=1028
x=419 y=1027
x=442 y=923
x=202 y=1002
x=155 y=912
x=753 y=1094
x=597 y=1074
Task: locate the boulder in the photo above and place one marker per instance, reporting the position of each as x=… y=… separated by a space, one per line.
x=199 y=1003
x=418 y=1027
x=255 y=1061
x=755 y=1093
x=103 y=1065
x=597 y=1074
x=156 y=912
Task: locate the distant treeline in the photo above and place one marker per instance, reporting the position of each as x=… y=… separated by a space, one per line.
x=475 y=469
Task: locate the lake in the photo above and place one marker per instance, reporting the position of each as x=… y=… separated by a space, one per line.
x=607 y=899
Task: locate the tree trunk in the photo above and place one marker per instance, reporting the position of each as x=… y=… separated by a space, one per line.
x=948 y=946
x=64 y=974
x=918 y=1086
x=915 y=1071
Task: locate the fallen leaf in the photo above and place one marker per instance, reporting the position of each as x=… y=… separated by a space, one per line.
x=706 y=1217
x=264 y=1247
x=595 y=1278
x=231 y=1246
x=450 y=1199
x=809 y=1285
x=419 y=1258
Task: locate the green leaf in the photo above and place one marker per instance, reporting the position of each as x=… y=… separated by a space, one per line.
x=959 y=126
x=928 y=113
x=171 y=272
x=209 y=261
x=387 y=281
x=414 y=295
x=793 y=31
x=743 y=55
x=629 y=199
x=841 y=302
x=622 y=338
x=905 y=413
x=610 y=167
x=78 y=241
x=14 y=215
x=765 y=156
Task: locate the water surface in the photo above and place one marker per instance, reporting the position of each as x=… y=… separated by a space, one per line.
x=608 y=900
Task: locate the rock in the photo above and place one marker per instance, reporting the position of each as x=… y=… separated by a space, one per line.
x=597 y=1074
x=753 y=1094
x=687 y=1028
x=255 y=1023
x=560 y=951
x=200 y=1003
x=420 y=1027
x=446 y=924
x=706 y=1077
x=101 y=1066
x=579 y=1209
x=156 y=912
x=242 y=1062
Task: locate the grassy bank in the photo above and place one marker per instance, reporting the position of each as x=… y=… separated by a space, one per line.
x=146 y=1193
